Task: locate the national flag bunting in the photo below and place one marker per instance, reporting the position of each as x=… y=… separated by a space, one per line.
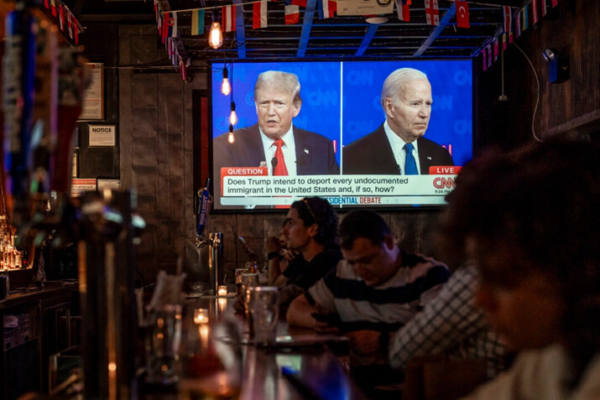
x=183 y=69
x=292 y=13
x=197 y=22
x=76 y=31
x=327 y=8
x=554 y=3
x=432 y=12
x=259 y=15
x=484 y=59
x=70 y=23
x=518 y=25
x=462 y=14
x=534 y=11
x=504 y=43
x=53 y=3
x=544 y=8
x=403 y=10
x=507 y=19
x=300 y=3
x=228 y=18
x=61 y=17
x=496 y=47
x=489 y=55
x=174 y=32
x=525 y=14
x=46 y=4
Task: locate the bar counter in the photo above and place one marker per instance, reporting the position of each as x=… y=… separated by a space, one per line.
x=313 y=370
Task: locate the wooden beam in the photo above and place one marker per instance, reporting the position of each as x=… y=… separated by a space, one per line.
x=437 y=31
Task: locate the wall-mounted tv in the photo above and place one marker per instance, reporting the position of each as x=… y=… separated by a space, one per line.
x=338 y=139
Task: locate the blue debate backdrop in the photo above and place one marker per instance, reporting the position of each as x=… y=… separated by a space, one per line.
x=341 y=100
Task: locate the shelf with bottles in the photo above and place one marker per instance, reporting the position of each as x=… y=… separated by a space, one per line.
x=11 y=258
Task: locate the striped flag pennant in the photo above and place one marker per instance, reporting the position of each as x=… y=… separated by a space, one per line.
x=228 y=18
x=70 y=23
x=327 y=8
x=484 y=59
x=525 y=14
x=197 y=22
x=53 y=3
x=259 y=15
x=299 y=3
x=165 y=26
x=76 y=30
x=432 y=12
x=292 y=12
x=403 y=10
x=507 y=19
x=489 y=55
x=534 y=12
x=496 y=48
x=518 y=25
x=173 y=31
x=544 y=8
x=504 y=43
x=61 y=17
x=183 y=69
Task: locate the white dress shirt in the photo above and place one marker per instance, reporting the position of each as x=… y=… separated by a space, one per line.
x=288 y=149
x=397 y=145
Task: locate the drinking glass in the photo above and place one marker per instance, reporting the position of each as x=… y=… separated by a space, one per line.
x=264 y=311
x=163 y=346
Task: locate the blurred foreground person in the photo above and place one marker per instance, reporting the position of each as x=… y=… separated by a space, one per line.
x=529 y=220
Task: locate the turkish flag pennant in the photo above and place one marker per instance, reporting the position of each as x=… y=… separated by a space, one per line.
x=462 y=14
x=535 y=11
x=432 y=12
x=228 y=18
x=259 y=15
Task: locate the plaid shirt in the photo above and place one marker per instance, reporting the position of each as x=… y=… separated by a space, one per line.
x=450 y=325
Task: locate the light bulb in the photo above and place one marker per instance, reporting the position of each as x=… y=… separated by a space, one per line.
x=233 y=116
x=230 y=137
x=225 y=87
x=215 y=36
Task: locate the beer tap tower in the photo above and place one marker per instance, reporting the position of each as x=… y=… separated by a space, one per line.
x=105 y=226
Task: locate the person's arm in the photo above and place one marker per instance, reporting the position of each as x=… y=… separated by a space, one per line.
x=273 y=250
x=300 y=313
x=441 y=325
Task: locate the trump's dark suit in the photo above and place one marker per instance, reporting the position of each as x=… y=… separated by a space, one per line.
x=372 y=154
x=314 y=152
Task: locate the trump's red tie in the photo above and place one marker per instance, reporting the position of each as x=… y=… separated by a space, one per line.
x=278 y=163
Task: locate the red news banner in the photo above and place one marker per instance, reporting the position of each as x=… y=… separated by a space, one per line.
x=253 y=185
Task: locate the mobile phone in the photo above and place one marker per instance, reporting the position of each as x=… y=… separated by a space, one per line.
x=242 y=240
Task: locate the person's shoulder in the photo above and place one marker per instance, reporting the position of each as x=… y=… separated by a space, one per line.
x=421 y=265
x=359 y=144
x=310 y=136
x=429 y=144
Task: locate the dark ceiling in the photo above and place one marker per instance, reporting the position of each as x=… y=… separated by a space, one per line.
x=340 y=37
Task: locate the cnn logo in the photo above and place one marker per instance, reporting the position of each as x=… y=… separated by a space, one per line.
x=444 y=183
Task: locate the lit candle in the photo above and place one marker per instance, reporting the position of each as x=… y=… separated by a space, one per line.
x=222 y=290
x=222 y=304
x=201 y=316
x=203 y=332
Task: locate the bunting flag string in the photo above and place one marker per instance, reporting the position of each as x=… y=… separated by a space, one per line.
x=403 y=10
x=292 y=12
x=65 y=18
x=462 y=14
x=259 y=15
x=432 y=12
x=228 y=18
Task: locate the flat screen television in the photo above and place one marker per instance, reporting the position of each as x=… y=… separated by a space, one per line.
x=341 y=103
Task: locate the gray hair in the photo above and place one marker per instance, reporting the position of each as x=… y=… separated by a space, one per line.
x=286 y=81
x=395 y=82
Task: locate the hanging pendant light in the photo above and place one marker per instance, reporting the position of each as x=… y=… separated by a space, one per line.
x=230 y=137
x=215 y=36
x=233 y=116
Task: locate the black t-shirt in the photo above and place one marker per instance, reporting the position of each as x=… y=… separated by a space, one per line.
x=295 y=268
x=317 y=268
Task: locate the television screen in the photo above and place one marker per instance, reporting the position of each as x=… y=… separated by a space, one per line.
x=338 y=139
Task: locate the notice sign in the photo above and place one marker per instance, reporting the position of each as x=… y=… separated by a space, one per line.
x=79 y=186
x=102 y=135
x=93 y=97
x=112 y=184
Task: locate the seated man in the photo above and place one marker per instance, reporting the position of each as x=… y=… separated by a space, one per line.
x=375 y=290
x=311 y=229
x=529 y=221
x=284 y=263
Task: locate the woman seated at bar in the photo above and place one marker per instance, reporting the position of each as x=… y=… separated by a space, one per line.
x=529 y=220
